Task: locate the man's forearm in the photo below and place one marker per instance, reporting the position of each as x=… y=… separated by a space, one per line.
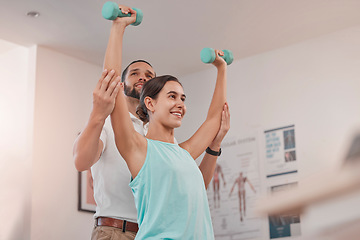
x=86 y=147
x=207 y=168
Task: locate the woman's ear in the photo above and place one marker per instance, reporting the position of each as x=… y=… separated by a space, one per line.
x=149 y=103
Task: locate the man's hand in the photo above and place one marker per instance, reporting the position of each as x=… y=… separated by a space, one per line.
x=88 y=146
x=208 y=164
x=104 y=95
x=224 y=128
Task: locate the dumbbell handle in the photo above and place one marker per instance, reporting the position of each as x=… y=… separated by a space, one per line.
x=111 y=11
x=207 y=55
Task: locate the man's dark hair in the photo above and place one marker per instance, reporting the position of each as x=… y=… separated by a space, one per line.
x=123 y=75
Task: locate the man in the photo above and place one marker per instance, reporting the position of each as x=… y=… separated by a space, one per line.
x=95 y=148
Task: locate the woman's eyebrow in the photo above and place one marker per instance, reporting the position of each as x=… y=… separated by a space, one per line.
x=174 y=92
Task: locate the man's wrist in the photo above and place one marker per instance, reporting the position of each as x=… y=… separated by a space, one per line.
x=96 y=119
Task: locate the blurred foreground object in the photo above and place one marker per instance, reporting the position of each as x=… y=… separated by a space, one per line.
x=324 y=186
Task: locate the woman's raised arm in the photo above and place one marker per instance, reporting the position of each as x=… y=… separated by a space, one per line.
x=201 y=139
x=126 y=138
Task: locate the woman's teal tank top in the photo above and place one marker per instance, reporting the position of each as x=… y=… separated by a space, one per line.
x=170 y=195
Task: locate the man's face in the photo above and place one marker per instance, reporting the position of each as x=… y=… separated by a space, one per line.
x=138 y=73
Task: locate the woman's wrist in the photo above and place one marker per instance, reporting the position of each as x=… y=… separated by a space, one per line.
x=215 y=146
x=221 y=67
x=212 y=152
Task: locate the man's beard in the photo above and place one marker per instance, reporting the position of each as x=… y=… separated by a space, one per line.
x=131 y=92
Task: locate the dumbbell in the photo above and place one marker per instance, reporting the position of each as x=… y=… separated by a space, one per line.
x=111 y=11
x=207 y=55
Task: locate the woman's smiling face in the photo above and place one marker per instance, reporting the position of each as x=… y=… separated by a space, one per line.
x=169 y=106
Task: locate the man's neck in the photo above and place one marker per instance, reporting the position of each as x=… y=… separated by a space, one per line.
x=132 y=104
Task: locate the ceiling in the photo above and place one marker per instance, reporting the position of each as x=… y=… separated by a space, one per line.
x=173 y=33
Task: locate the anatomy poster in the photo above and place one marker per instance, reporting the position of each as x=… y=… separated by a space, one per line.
x=280 y=150
x=234 y=189
x=281 y=174
x=284 y=225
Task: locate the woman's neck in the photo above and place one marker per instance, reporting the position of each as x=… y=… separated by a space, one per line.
x=160 y=133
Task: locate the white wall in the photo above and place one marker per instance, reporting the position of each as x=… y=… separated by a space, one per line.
x=38 y=125
x=16 y=119
x=314 y=85
x=63 y=102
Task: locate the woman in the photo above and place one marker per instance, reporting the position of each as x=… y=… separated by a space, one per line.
x=168 y=186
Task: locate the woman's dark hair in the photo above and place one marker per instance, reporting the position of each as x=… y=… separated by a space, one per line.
x=151 y=89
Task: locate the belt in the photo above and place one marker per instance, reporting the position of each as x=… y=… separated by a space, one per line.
x=117 y=223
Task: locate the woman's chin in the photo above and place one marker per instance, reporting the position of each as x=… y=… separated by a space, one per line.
x=177 y=124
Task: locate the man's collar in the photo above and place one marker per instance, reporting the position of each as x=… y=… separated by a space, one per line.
x=133 y=117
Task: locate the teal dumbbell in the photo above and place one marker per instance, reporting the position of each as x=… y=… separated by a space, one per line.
x=111 y=11
x=207 y=55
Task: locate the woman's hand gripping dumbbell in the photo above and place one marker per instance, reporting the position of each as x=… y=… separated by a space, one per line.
x=207 y=55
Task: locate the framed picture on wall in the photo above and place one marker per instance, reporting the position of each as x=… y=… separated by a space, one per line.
x=86 y=200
